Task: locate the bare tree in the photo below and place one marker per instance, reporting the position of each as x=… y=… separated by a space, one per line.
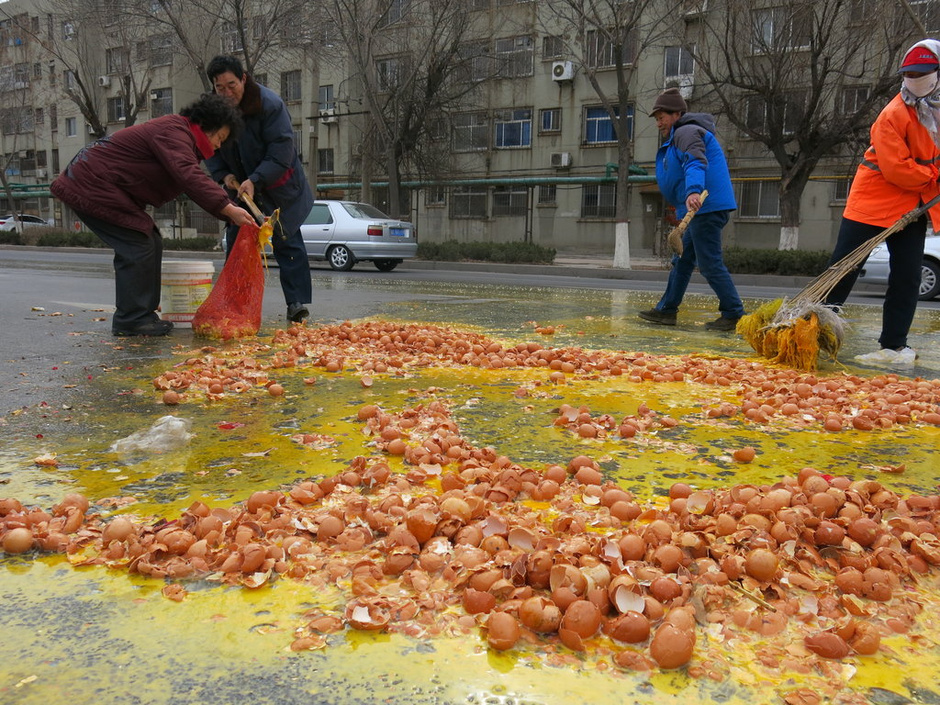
x=16 y=113
x=606 y=37
x=412 y=65
x=205 y=28
x=803 y=80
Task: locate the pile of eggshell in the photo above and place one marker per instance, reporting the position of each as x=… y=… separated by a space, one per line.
x=780 y=396
x=810 y=568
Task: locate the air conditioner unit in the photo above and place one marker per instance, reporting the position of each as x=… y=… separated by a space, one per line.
x=561 y=160
x=104 y=81
x=327 y=116
x=153 y=95
x=562 y=71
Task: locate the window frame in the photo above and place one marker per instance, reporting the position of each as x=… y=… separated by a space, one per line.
x=597 y=119
x=291 y=86
x=554 y=115
x=766 y=207
x=465 y=202
x=512 y=128
x=478 y=125
x=604 y=197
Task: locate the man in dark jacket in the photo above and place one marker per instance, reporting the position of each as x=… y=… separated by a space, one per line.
x=109 y=184
x=689 y=162
x=264 y=165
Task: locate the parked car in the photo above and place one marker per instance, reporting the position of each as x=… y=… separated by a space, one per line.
x=8 y=222
x=344 y=233
x=875 y=270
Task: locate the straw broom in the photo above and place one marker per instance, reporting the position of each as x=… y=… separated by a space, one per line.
x=794 y=331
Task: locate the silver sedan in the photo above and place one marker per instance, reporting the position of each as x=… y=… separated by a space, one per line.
x=344 y=233
x=875 y=270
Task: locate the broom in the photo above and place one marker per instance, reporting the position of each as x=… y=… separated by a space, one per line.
x=794 y=331
x=674 y=238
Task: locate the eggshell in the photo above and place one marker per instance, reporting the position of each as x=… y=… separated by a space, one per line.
x=671 y=646
x=827 y=645
x=502 y=631
x=18 y=540
x=582 y=617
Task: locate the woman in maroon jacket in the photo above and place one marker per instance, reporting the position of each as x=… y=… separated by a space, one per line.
x=110 y=183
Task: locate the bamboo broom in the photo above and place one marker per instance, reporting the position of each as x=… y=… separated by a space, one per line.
x=794 y=331
x=674 y=238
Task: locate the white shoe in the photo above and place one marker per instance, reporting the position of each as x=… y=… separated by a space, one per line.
x=887 y=356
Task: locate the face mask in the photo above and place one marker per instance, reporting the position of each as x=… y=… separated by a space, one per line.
x=921 y=86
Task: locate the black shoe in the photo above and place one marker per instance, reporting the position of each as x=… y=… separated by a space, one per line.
x=157 y=327
x=297 y=312
x=722 y=323
x=654 y=315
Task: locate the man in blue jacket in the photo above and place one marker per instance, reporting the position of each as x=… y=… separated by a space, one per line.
x=263 y=163
x=689 y=162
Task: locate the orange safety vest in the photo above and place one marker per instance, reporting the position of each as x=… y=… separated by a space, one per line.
x=899 y=171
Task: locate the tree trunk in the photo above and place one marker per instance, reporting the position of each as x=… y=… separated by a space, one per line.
x=622 y=226
x=791 y=192
x=394 y=183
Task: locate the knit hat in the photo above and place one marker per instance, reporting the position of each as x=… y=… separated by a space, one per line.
x=671 y=101
x=920 y=59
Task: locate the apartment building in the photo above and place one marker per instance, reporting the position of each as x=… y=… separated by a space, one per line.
x=525 y=145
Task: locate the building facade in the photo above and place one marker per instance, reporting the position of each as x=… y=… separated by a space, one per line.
x=527 y=151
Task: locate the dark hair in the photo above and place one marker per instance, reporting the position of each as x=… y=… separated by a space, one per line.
x=211 y=112
x=221 y=64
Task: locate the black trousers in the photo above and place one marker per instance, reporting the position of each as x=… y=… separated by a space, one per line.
x=138 y=259
x=906 y=252
x=292 y=262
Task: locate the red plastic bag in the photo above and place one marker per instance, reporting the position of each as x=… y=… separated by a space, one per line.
x=233 y=307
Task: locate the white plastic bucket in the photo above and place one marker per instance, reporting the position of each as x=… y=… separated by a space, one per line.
x=185 y=285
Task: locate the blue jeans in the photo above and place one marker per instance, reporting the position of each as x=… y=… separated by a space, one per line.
x=701 y=245
x=906 y=255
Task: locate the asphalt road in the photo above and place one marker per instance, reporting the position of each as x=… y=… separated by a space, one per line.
x=57 y=303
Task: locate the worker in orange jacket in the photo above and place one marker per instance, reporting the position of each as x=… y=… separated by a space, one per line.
x=898 y=173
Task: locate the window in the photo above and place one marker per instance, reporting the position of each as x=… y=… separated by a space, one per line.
x=678 y=62
x=230 y=38
x=261 y=78
x=780 y=28
x=553 y=47
x=514 y=56
x=396 y=10
x=325 y=161
x=297 y=136
x=319 y=215
x=475 y=61
x=116 y=109
x=117 y=60
x=928 y=11
x=759 y=199
x=388 y=73
x=161 y=102
x=510 y=200
x=478 y=5
x=71 y=127
x=37 y=70
x=471 y=132
x=840 y=189
x=290 y=86
x=547 y=196
x=54 y=117
x=602 y=49
x=468 y=202
x=39 y=116
x=16 y=120
x=21 y=76
x=68 y=30
x=794 y=110
x=325 y=99
x=435 y=196
x=598 y=200
x=160 y=50
x=68 y=78
x=6 y=78
x=853 y=98
x=755 y=113
x=513 y=128
x=259 y=27
x=600 y=129
x=550 y=120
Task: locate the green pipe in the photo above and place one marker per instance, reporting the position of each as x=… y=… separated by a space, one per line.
x=514 y=181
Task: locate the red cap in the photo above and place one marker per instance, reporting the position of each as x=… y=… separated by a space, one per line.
x=920 y=59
